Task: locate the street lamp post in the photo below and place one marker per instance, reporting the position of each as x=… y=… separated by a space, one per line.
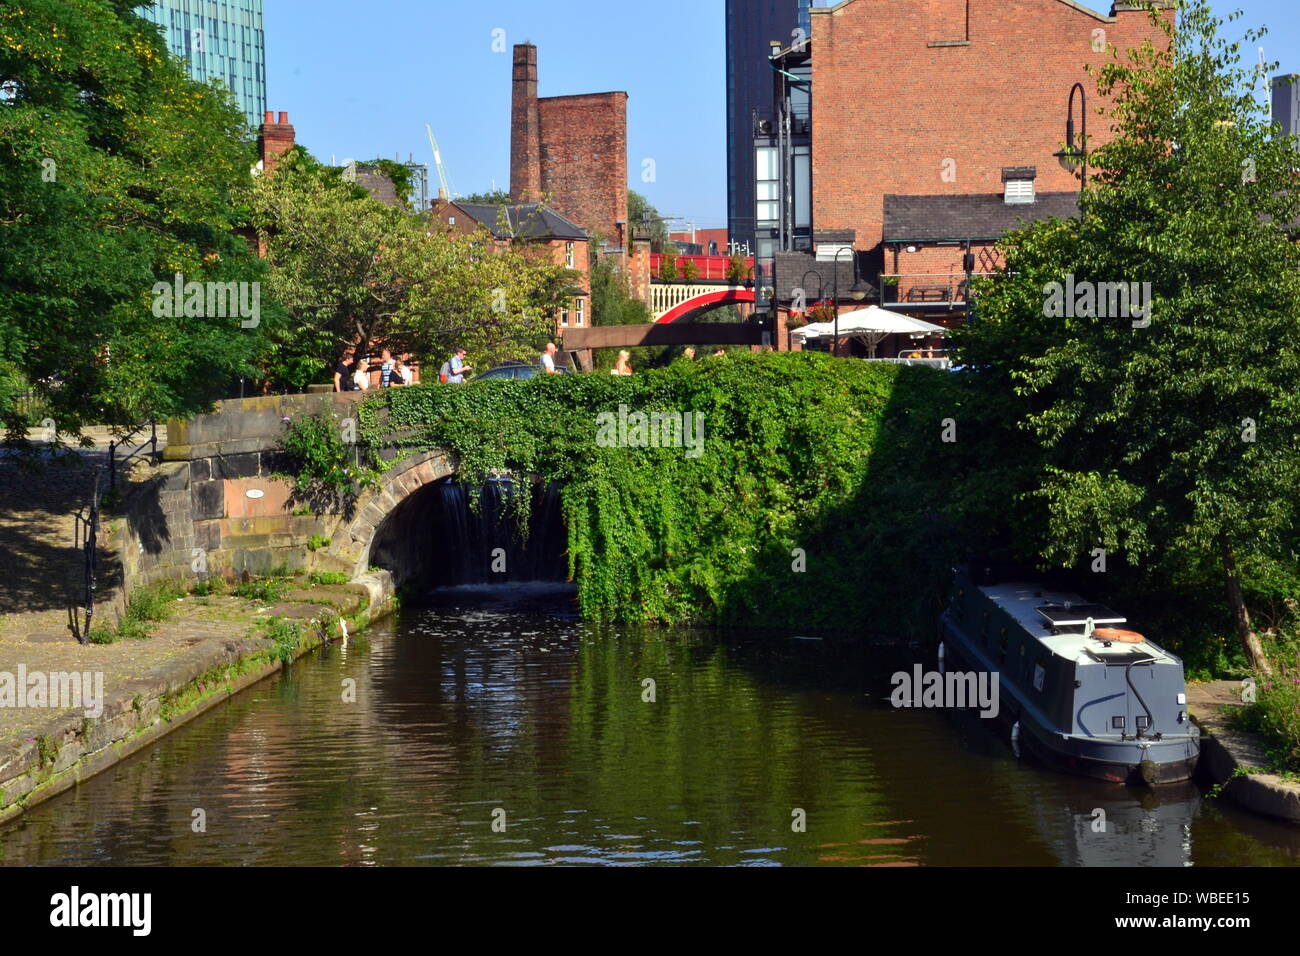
x=857 y=293
x=1073 y=157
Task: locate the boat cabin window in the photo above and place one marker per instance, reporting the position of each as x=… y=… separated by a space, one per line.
x=1117 y=723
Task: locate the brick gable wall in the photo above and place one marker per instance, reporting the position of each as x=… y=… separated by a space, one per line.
x=895 y=113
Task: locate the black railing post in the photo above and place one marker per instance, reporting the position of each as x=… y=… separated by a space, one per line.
x=153 y=437
x=91 y=558
x=112 y=466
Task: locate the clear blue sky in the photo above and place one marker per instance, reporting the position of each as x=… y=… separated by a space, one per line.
x=360 y=80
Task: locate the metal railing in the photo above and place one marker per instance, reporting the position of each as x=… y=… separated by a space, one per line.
x=707 y=267
x=113 y=446
x=86 y=539
x=928 y=288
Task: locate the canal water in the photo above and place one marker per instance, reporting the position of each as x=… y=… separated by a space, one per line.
x=496 y=728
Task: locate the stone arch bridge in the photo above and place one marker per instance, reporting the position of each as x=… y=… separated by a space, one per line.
x=217 y=507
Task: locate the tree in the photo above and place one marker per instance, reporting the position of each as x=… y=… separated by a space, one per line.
x=497 y=197
x=1167 y=430
x=738 y=270
x=117 y=172
x=355 y=272
x=611 y=301
x=641 y=214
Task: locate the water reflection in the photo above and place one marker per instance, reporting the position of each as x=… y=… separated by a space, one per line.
x=465 y=708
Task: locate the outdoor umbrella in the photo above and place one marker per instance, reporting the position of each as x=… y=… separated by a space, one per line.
x=871 y=325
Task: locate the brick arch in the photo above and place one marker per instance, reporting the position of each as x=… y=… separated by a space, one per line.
x=356 y=535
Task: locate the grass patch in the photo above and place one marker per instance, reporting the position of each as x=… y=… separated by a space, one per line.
x=148 y=606
x=1275 y=718
x=270 y=589
x=287 y=635
x=317 y=578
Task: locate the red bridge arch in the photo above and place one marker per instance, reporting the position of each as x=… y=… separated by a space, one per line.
x=706 y=301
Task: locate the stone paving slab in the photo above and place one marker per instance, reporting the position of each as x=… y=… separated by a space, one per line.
x=212 y=635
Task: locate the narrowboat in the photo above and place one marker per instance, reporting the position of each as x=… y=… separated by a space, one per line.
x=1082 y=693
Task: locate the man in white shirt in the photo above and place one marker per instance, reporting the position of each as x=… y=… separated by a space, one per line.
x=458 y=367
x=548 y=359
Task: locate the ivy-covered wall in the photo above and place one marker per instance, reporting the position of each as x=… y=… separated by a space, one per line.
x=822 y=495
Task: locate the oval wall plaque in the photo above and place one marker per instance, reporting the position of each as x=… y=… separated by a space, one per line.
x=255 y=493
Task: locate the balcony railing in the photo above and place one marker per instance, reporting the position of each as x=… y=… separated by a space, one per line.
x=941 y=289
x=712 y=268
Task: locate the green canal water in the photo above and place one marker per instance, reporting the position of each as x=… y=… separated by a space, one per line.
x=510 y=711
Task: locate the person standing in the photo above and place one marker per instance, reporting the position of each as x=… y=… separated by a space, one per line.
x=624 y=364
x=459 y=368
x=343 y=372
x=548 y=359
x=404 y=374
x=361 y=375
x=688 y=353
x=386 y=368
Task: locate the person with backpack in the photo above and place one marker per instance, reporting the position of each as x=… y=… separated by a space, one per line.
x=453 y=371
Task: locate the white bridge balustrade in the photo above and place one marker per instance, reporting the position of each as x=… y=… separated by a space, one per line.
x=666 y=296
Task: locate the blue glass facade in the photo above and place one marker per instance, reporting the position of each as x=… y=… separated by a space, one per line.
x=752 y=25
x=221 y=39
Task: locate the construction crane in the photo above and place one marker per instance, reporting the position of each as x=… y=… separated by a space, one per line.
x=437 y=161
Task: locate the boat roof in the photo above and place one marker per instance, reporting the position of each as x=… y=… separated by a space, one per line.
x=1023 y=602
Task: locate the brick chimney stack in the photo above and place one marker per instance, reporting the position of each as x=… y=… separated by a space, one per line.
x=525 y=128
x=274 y=139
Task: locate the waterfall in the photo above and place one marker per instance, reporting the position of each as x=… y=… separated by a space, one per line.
x=485 y=548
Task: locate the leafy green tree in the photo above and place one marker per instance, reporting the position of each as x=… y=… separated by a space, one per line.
x=1166 y=433
x=355 y=272
x=641 y=214
x=612 y=302
x=668 y=268
x=497 y=197
x=117 y=171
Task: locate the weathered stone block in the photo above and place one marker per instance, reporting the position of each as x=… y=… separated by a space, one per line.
x=238 y=466
x=208 y=499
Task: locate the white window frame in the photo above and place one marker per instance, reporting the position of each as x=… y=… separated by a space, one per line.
x=1019 y=192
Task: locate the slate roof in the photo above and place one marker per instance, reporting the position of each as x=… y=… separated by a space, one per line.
x=945 y=218
x=527 y=221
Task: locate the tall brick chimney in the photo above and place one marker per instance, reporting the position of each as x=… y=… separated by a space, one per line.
x=274 y=139
x=525 y=128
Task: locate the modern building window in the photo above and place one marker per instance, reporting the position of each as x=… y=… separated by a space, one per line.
x=803 y=187
x=768 y=184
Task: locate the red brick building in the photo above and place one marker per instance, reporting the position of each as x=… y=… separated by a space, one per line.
x=712 y=242
x=566 y=244
x=937 y=98
x=571 y=152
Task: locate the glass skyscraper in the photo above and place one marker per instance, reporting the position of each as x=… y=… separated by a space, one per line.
x=218 y=38
x=752 y=25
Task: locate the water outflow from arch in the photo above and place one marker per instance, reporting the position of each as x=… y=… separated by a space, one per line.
x=435 y=539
